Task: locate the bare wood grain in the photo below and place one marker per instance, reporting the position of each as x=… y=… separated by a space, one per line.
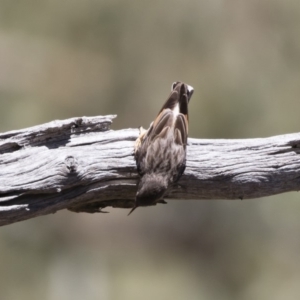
x=81 y=165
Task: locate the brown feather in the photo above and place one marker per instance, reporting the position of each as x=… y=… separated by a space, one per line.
x=181 y=125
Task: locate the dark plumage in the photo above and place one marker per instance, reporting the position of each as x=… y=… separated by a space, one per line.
x=160 y=151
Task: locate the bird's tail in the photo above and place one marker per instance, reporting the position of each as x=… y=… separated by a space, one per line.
x=181 y=94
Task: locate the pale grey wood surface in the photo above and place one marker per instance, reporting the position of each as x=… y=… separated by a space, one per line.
x=82 y=165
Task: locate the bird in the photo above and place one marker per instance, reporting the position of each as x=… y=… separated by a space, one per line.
x=160 y=151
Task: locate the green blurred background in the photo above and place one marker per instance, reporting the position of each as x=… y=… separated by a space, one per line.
x=61 y=59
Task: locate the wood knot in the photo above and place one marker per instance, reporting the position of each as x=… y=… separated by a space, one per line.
x=71 y=164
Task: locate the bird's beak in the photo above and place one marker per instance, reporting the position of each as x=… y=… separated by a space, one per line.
x=132 y=210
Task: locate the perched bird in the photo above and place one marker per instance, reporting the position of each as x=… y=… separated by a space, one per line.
x=160 y=151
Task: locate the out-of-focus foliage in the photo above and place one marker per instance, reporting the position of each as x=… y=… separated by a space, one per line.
x=61 y=59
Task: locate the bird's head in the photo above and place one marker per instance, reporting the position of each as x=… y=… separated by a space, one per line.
x=151 y=189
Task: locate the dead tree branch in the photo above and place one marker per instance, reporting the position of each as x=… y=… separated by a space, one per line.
x=82 y=165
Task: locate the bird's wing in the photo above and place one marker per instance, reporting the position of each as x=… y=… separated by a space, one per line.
x=180 y=130
x=171 y=102
x=158 y=131
x=156 y=135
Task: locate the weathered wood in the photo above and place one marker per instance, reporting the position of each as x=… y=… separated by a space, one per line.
x=82 y=165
